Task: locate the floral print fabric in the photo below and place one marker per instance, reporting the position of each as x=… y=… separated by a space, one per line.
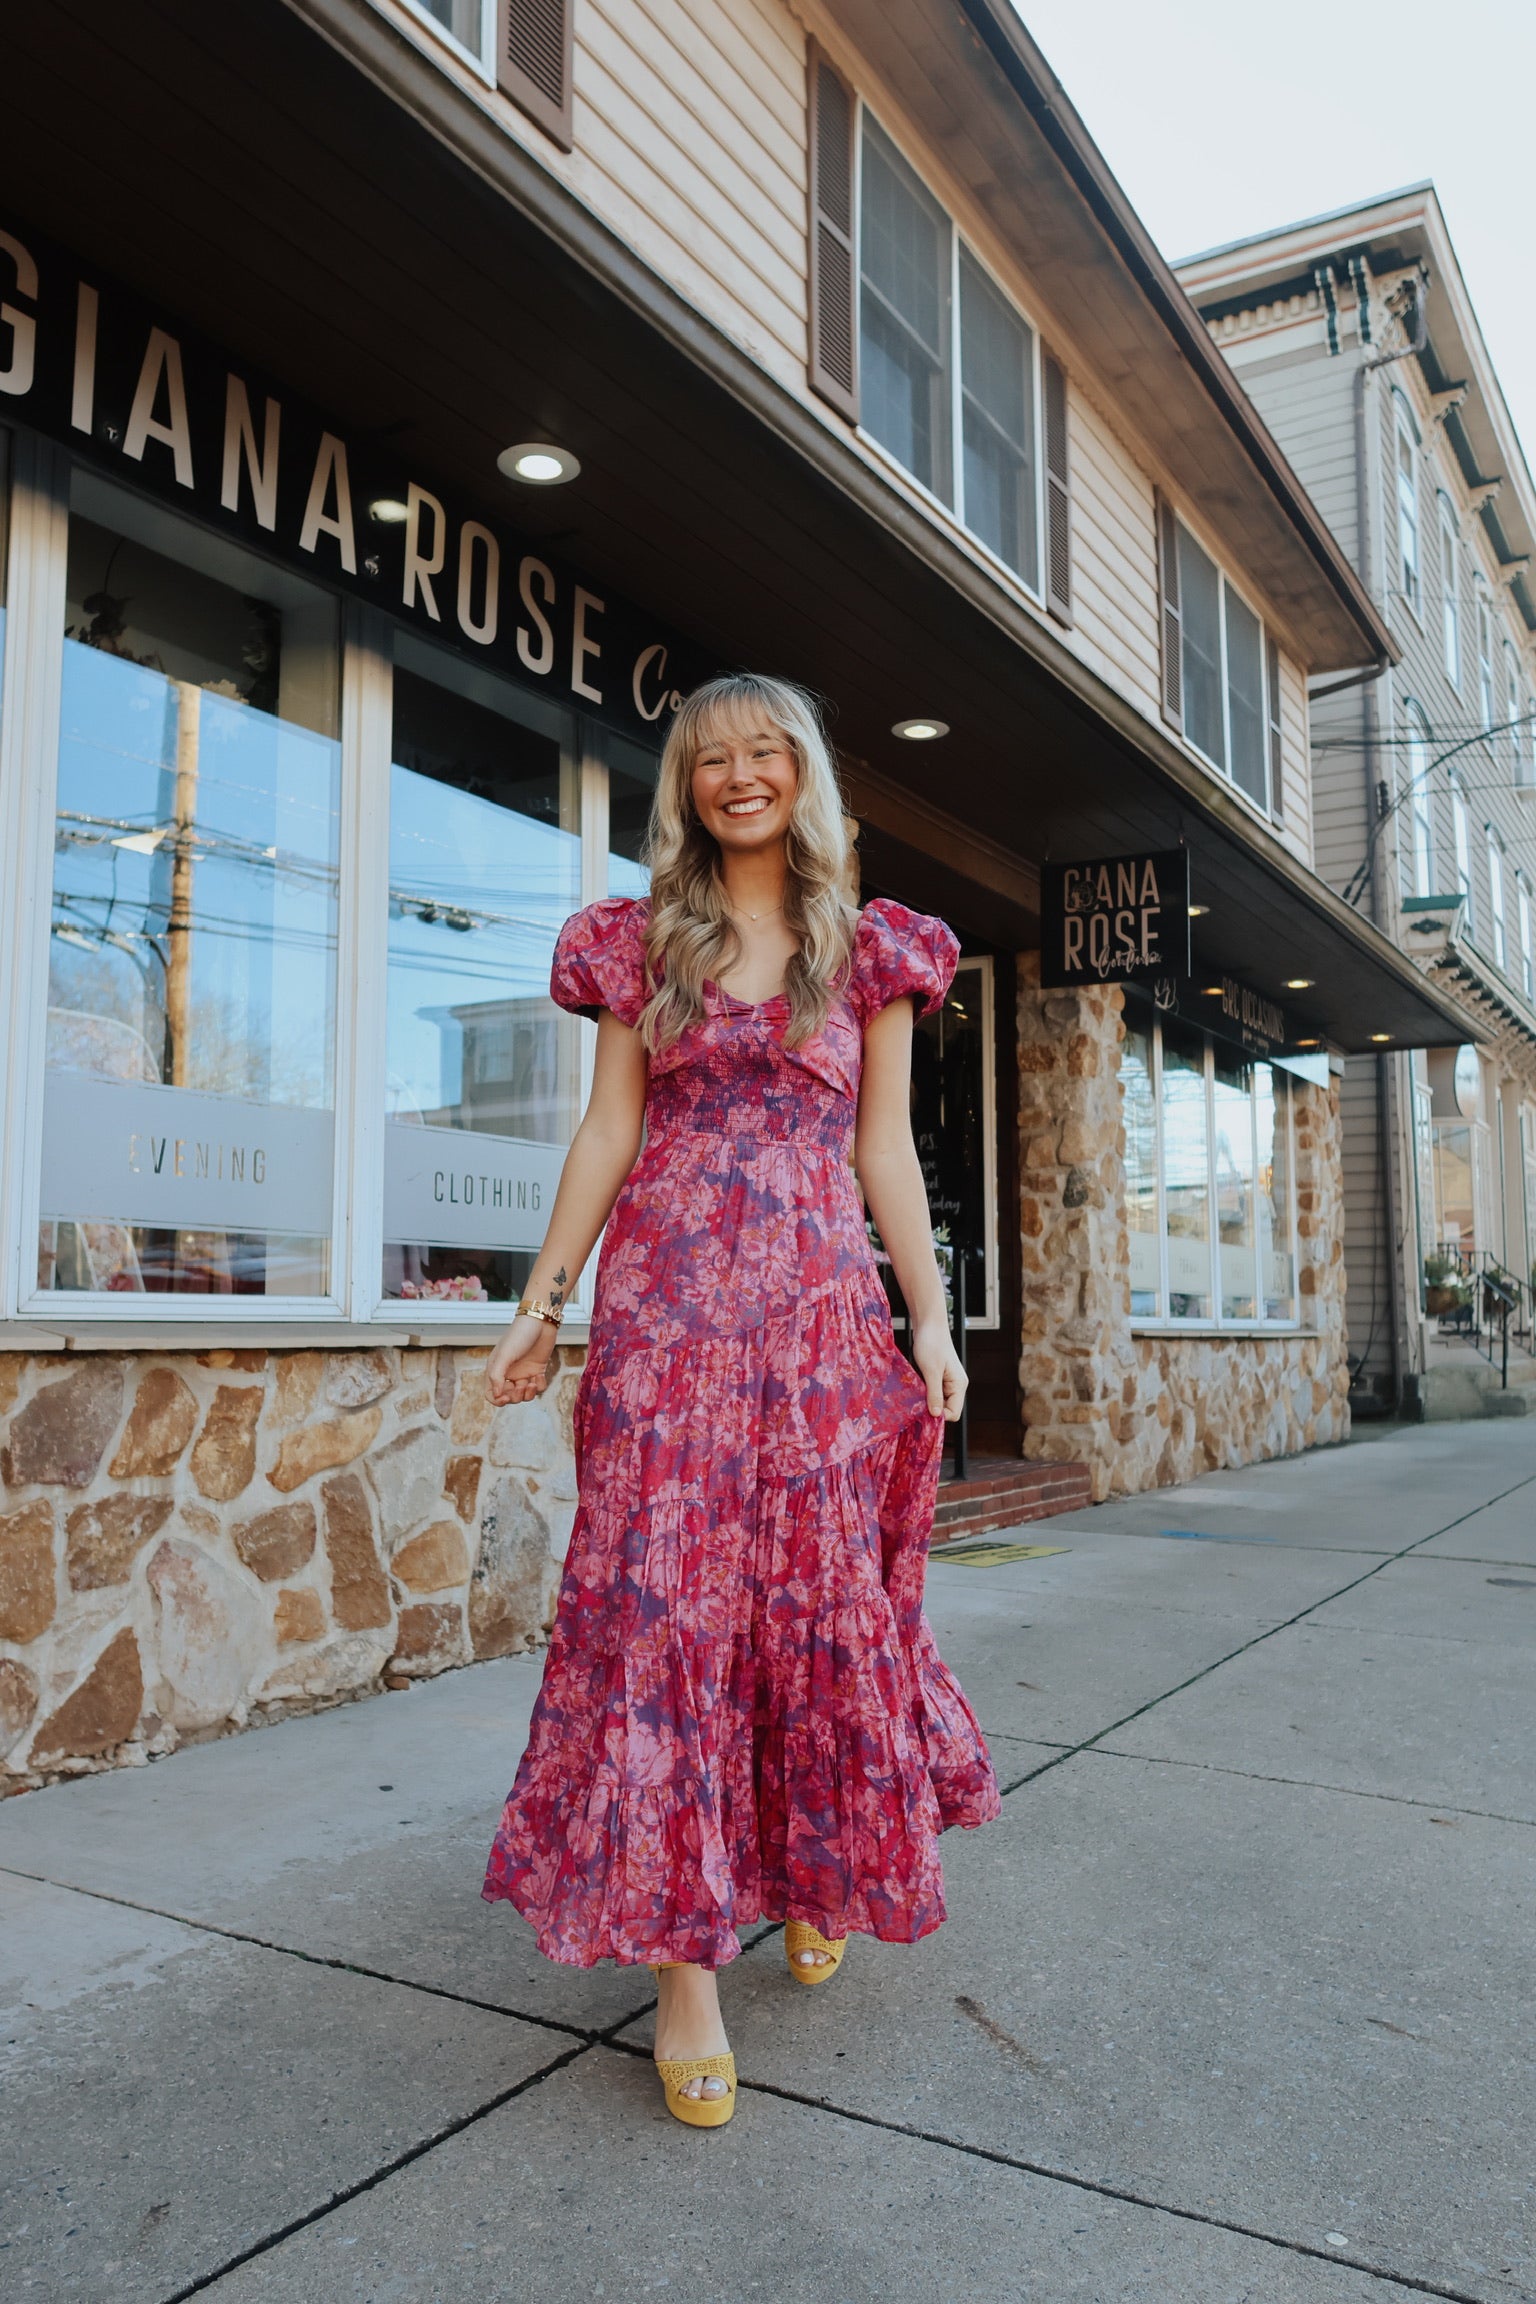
x=743 y=1712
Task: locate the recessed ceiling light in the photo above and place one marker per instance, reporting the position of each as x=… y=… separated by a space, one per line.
x=1213 y=991
x=1198 y=911
x=388 y=511
x=920 y=731
x=538 y=462
x=1381 y=1035
x=1300 y=983
x=1309 y=1043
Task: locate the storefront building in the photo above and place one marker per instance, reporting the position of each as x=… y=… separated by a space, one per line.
x=398 y=415
x=1356 y=336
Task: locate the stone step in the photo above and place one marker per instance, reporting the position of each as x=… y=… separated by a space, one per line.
x=1003 y=1491
x=1457 y=1390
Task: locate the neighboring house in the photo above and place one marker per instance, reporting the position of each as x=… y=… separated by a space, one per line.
x=402 y=405
x=1355 y=337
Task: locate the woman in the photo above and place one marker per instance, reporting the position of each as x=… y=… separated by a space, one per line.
x=743 y=1713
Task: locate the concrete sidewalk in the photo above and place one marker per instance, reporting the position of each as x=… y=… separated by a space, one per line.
x=1235 y=2005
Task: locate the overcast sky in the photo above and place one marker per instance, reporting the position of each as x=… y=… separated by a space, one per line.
x=1221 y=120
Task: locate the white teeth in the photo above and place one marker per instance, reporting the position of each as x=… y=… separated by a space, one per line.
x=745 y=807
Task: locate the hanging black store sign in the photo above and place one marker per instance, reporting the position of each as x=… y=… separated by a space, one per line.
x=153 y=403
x=1114 y=920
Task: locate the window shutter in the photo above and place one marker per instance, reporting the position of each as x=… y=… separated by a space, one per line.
x=533 y=61
x=1171 y=623
x=834 y=368
x=1276 y=783
x=1058 y=493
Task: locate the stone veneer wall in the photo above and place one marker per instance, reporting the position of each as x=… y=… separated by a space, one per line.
x=194 y=1543
x=1144 y=1411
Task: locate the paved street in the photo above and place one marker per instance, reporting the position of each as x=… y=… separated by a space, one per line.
x=1235 y=2005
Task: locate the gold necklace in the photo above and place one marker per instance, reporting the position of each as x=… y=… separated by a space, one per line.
x=736 y=914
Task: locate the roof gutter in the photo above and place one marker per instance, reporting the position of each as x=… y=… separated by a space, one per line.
x=1003 y=36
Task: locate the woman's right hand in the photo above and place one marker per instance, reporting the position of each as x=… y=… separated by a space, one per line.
x=518 y=1369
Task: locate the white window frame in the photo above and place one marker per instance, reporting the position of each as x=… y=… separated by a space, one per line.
x=1421 y=810
x=1450 y=591
x=481 y=62
x=1410 y=538
x=1498 y=929
x=1487 y=686
x=31 y=689
x=1518 y=731
x=1523 y=921
x=1163 y=1321
x=1225 y=584
x=1461 y=836
x=955 y=513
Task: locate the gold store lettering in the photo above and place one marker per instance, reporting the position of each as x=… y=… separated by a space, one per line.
x=210 y=1162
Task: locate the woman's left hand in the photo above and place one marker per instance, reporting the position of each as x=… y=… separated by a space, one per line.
x=938 y=1364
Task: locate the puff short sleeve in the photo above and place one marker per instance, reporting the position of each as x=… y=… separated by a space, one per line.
x=899 y=953
x=600 y=960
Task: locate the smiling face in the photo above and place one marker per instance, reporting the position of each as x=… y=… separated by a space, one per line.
x=744 y=784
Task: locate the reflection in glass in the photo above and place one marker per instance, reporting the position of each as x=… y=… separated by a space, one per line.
x=188 y=1110
x=1277 y=1250
x=997 y=377
x=1200 y=613
x=1139 y=1113
x=904 y=315
x=1186 y=1173
x=632 y=775
x=1245 y=700
x=485 y=865
x=1232 y=1109
x=949 y=1127
x=1454 y=1191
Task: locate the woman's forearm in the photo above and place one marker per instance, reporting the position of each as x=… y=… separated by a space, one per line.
x=892 y=1182
x=600 y=1158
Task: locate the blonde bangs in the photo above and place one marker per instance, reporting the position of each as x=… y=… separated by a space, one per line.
x=692 y=939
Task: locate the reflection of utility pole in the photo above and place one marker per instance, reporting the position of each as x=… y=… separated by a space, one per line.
x=178 y=966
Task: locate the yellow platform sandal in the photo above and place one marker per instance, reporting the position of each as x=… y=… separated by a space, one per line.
x=676 y=2072
x=800 y=1936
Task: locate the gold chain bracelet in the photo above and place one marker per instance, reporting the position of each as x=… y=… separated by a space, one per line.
x=536 y=1309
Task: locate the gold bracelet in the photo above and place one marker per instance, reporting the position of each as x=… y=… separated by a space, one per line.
x=535 y=1309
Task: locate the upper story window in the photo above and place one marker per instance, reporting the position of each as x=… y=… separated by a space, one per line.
x=1523 y=925
x=1227 y=674
x=1450 y=593
x=1421 y=812
x=1487 y=700
x=949 y=370
x=523 y=47
x=1517 y=720
x=1407 y=457
x=1496 y=896
x=469 y=24
x=1461 y=835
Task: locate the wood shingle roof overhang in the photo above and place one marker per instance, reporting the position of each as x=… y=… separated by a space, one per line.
x=313 y=194
x=971 y=77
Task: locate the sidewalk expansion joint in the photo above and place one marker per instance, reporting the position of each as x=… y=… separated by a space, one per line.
x=1105 y=2191
x=1311 y=1784
x=1270 y=1631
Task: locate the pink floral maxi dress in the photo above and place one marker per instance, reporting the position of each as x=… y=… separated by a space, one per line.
x=743 y=1713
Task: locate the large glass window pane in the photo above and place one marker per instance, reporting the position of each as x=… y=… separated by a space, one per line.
x=1455 y=1197
x=1200 y=610
x=997 y=382
x=904 y=315
x=187 y=1122
x=1276 y=1194
x=632 y=773
x=482 y=1083
x=1186 y=1174
x=951 y=1067
x=1246 y=717
x=460 y=17
x=1232 y=1105
x=1139 y=1116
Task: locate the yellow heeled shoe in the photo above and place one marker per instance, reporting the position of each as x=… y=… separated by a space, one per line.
x=676 y=2072
x=800 y=1936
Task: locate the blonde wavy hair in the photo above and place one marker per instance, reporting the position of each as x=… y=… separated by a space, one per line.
x=692 y=938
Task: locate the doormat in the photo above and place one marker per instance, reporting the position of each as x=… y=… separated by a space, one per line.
x=983 y=1555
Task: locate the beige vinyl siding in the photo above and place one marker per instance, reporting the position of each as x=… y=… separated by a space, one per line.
x=1308 y=402
x=1297 y=828
x=1114 y=555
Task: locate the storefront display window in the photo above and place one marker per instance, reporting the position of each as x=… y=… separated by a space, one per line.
x=631 y=788
x=954 y=1126
x=483 y=1083
x=1210 y=1185
x=187 y=1143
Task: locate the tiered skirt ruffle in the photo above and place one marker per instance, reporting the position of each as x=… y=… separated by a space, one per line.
x=744 y=1715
